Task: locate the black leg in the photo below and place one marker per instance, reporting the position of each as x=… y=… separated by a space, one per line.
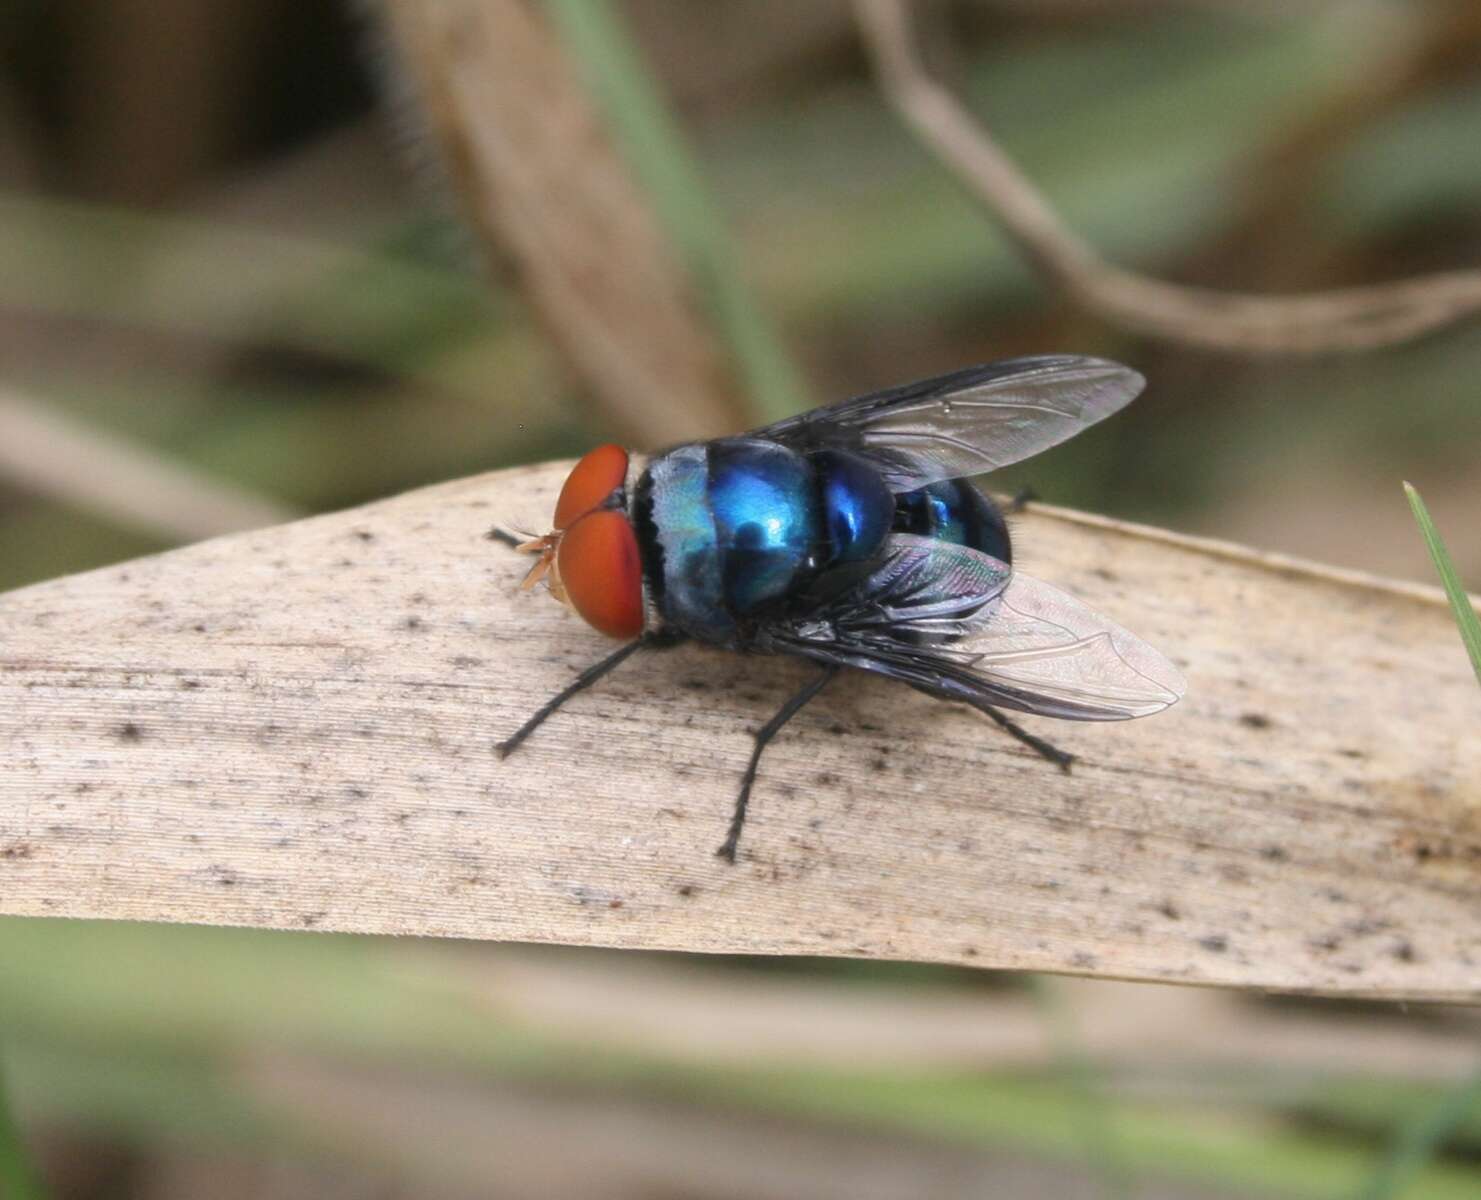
x=763 y=735
x=1060 y=758
x=496 y=534
x=1020 y=500
x=582 y=681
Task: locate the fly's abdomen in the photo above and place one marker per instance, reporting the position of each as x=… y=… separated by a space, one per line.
x=858 y=508
x=954 y=511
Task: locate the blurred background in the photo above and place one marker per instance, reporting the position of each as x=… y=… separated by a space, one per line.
x=235 y=286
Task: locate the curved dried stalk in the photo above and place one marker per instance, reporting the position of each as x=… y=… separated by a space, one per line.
x=1347 y=319
x=537 y=176
x=46 y=452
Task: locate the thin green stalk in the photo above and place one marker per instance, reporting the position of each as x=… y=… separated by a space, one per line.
x=1079 y=1075
x=17 y=1180
x=1460 y=602
x=655 y=148
x=1418 y=1140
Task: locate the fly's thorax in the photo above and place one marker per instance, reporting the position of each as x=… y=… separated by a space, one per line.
x=680 y=550
x=768 y=522
x=729 y=530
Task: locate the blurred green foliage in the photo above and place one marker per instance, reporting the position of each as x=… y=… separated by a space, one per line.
x=17 y=1176
x=136 y=1030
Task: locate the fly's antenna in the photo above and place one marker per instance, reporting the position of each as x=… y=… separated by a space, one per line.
x=516 y=539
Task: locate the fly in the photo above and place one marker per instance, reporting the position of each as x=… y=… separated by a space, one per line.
x=849 y=536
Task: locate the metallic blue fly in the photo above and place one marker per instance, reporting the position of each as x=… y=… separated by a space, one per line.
x=849 y=536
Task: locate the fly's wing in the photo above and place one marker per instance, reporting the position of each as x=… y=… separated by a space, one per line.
x=961 y=625
x=968 y=422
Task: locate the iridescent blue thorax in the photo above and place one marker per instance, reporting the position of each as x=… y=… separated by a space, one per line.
x=740 y=528
x=768 y=521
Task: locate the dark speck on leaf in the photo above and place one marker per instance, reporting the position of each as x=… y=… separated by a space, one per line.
x=1404 y=952
x=1215 y=943
x=365 y=535
x=1170 y=910
x=1253 y=720
x=1274 y=853
x=131 y=731
x=687 y=889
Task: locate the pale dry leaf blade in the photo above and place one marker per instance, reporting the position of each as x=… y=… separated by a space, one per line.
x=296 y=728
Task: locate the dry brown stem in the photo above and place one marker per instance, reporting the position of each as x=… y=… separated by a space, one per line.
x=536 y=174
x=295 y=728
x=1347 y=319
x=43 y=451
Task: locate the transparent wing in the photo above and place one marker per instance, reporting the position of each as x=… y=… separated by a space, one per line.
x=968 y=422
x=1046 y=647
x=959 y=624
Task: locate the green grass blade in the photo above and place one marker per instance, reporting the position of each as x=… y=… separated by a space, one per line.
x=1092 y=1107
x=1420 y=1138
x=17 y=1180
x=654 y=147
x=1460 y=602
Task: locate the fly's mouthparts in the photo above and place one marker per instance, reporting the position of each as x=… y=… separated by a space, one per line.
x=545 y=547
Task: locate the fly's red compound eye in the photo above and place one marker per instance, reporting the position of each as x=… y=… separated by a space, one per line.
x=600 y=571
x=590 y=482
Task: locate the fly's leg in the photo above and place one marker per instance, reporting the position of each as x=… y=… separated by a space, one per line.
x=1060 y=758
x=581 y=683
x=499 y=534
x=764 y=735
x=1020 y=501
